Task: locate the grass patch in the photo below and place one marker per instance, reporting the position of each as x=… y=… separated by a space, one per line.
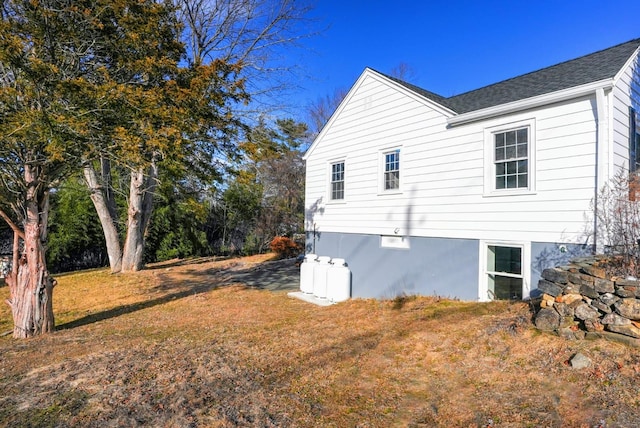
x=56 y=410
x=185 y=344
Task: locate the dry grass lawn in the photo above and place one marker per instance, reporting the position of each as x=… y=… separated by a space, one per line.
x=184 y=346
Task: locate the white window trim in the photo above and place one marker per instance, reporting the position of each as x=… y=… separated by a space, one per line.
x=330 y=163
x=483 y=273
x=489 y=154
x=381 y=171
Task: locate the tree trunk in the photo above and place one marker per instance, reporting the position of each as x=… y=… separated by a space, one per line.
x=140 y=206
x=30 y=286
x=105 y=208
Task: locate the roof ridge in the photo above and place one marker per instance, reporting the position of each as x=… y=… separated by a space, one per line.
x=637 y=41
x=415 y=88
x=592 y=67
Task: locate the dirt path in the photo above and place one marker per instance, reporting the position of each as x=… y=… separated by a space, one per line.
x=279 y=275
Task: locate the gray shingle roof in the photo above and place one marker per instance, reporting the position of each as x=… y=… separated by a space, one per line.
x=586 y=69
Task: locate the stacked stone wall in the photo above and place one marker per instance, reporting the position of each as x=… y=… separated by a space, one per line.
x=583 y=299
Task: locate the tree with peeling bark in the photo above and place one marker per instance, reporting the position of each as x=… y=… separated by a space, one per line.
x=231 y=46
x=142 y=98
x=172 y=127
x=40 y=137
x=88 y=83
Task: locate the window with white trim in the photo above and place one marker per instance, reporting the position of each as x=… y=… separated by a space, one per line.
x=391 y=179
x=510 y=158
x=337 y=181
x=504 y=270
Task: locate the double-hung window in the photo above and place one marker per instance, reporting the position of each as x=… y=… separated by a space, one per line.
x=391 y=179
x=511 y=159
x=337 y=181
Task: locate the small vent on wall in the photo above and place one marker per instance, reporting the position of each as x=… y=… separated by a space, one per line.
x=389 y=241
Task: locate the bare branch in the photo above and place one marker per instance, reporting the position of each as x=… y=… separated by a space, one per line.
x=252 y=33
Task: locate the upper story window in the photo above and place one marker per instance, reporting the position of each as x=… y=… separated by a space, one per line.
x=337 y=181
x=512 y=159
x=392 y=170
x=509 y=159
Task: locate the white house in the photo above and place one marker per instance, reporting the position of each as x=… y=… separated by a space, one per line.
x=470 y=196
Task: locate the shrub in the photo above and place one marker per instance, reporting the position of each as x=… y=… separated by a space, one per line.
x=284 y=247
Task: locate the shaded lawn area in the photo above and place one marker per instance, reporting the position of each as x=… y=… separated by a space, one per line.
x=187 y=344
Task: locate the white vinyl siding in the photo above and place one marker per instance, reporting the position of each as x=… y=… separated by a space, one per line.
x=443 y=170
x=626 y=93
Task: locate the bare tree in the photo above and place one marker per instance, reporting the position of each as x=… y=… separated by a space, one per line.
x=403 y=71
x=322 y=109
x=252 y=33
x=615 y=226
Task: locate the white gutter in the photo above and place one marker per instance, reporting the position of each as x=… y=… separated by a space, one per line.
x=527 y=103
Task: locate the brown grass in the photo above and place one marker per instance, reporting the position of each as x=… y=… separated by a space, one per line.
x=182 y=345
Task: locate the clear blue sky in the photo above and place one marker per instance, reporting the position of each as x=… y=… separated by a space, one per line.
x=455 y=46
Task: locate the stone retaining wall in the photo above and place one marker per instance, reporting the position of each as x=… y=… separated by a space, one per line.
x=582 y=300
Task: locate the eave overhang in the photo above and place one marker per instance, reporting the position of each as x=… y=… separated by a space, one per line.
x=529 y=103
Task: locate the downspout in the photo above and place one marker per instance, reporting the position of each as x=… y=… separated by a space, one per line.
x=602 y=161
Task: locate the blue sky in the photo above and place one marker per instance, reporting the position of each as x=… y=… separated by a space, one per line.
x=455 y=46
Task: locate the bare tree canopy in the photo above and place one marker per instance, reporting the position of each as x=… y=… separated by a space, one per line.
x=256 y=34
x=321 y=110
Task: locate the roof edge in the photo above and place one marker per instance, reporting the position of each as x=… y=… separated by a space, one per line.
x=527 y=103
x=335 y=113
x=432 y=97
x=635 y=40
x=395 y=83
x=417 y=91
x=634 y=56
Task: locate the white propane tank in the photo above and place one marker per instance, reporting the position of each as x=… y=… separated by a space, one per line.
x=320 y=277
x=338 y=281
x=306 y=273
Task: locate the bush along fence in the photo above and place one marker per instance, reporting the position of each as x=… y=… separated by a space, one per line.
x=584 y=300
